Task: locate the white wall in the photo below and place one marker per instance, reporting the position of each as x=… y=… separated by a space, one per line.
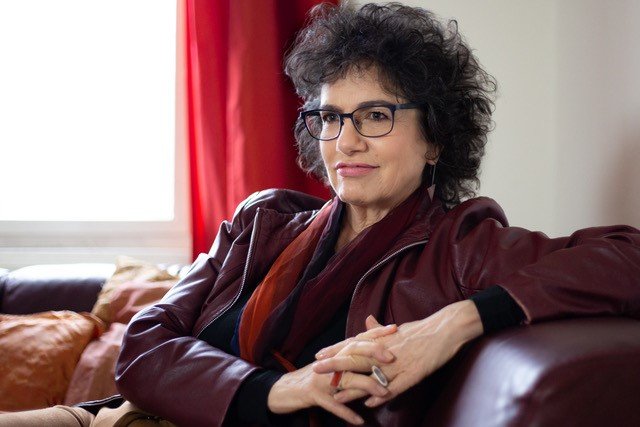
x=566 y=146
x=598 y=140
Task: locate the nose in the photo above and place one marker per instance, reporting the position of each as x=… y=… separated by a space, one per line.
x=350 y=141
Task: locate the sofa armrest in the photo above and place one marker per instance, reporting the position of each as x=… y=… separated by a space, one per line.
x=573 y=372
x=40 y=288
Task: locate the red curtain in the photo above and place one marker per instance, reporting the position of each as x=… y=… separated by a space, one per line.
x=241 y=108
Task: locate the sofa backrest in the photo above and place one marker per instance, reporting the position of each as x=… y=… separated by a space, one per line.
x=38 y=288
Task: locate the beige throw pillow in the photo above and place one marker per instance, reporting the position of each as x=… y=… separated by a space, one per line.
x=127 y=270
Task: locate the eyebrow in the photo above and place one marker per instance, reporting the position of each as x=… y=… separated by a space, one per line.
x=372 y=103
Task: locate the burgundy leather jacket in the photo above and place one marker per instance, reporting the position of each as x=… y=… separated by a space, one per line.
x=443 y=257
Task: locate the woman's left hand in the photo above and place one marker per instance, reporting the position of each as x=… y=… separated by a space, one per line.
x=419 y=347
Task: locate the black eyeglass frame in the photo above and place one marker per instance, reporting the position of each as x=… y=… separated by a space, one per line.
x=342 y=116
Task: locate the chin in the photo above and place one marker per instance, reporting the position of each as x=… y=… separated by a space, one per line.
x=357 y=198
x=358 y=192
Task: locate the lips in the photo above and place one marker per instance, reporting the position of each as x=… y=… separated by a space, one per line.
x=354 y=169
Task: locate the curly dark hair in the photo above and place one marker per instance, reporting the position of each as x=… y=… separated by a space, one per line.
x=417 y=57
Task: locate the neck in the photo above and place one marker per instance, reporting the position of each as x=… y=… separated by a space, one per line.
x=355 y=220
x=358 y=218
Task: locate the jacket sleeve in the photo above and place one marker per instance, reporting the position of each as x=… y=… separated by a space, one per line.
x=595 y=271
x=163 y=369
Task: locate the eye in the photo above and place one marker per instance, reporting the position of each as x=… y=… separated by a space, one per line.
x=377 y=115
x=328 y=116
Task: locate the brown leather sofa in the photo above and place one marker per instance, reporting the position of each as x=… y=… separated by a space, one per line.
x=577 y=372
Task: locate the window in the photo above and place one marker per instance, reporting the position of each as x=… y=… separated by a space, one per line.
x=91 y=166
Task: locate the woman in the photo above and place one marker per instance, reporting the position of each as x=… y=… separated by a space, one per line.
x=395 y=120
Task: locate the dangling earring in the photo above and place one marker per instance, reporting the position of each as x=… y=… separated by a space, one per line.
x=433 y=175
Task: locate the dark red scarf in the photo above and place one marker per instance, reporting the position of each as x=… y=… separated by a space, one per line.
x=289 y=308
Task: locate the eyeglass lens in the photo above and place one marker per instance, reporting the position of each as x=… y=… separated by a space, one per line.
x=369 y=121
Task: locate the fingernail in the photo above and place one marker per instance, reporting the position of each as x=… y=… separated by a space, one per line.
x=320 y=355
x=382 y=391
x=339 y=397
x=388 y=355
x=369 y=402
x=392 y=325
x=358 y=420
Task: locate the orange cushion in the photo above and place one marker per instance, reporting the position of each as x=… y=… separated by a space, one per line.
x=38 y=354
x=94 y=377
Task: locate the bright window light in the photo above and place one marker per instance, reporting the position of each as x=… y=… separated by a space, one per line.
x=87 y=110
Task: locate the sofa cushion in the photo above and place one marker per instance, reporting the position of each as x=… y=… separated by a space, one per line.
x=38 y=354
x=135 y=274
x=94 y=376
x=40 y=288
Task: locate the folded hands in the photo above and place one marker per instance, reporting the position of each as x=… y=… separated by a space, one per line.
x=406 y=354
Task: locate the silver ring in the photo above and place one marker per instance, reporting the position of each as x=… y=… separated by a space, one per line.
x=379 y=376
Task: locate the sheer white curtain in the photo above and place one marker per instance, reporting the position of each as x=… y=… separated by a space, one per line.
x=87 y=129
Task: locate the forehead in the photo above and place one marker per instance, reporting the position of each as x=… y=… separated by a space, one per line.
x=356 y=87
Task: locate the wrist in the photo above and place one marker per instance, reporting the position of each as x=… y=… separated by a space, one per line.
x=272 y=398
x=281 y=398
x=466 y=321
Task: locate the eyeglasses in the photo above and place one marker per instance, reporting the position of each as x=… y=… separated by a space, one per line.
x=371 y=121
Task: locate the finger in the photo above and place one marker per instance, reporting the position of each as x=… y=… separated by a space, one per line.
x=374 y=401
x=395 y=387
x=369 y=335
x=333 y=350
x=348 y=395
x=344 y=363
x=366 y=355
x=366 y=383
x=371 y=349
x=338 y=409
x=371 y=322
x=378 y=331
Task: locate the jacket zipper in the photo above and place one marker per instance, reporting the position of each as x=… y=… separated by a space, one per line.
x=375 y=267
x=244 y=274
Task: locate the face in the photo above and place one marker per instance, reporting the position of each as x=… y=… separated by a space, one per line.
x=372 y=173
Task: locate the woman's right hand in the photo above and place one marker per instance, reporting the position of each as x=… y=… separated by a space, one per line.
x=305 y=388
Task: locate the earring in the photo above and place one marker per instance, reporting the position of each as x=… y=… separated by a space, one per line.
x=433 y=175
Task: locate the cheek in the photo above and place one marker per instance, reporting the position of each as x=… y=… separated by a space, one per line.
x=409 y=175
x=326 y=154
x=410 y=163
